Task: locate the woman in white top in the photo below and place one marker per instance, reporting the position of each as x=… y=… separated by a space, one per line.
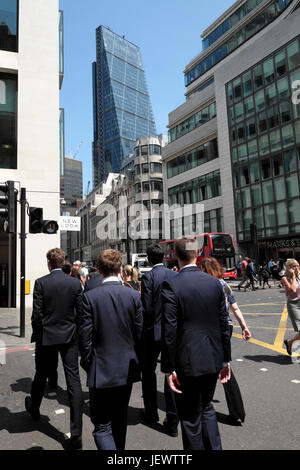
x=291 y=282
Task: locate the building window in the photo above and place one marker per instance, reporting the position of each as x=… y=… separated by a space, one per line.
x=9 y=25
x=8 y=121
x=155 y=167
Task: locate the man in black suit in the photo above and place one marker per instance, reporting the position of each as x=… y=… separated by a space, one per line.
x=152 y=309
x=110 y=332
x=57 y=301
x=196 y=348
x=95 y=280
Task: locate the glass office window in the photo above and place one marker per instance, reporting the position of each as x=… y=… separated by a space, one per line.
x=9 y=25
x=287 y=135
x=259 y=98
x=282 y=213
x=277 y=165
x=270 y=217
x=8 y=124
x=146 y=186
x=283 y=89
x=144 y=150
x=285 y=112
x=256 y=195
x=258 y=77
x=249 y=106
x=268 y=69
x=273 y=117
x=252 y=149
x=242 y=153
x=258 y=217
x=262 y=122
x=268 y=192
x=292 y=185
x=145 y=168
x=254 y=172
x=293 y=55
x=279 y=186
x=275 y=140
x=246 y=198
x=263 y=144
x=247 y=83
x=294 y=210
x=290 y=162
x=265 y=168
x=280 y=63
x=297 y=131
x=155 y=167
x=270 y=95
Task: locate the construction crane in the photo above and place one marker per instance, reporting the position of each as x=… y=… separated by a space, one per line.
x=88 y=188
x=76 y=151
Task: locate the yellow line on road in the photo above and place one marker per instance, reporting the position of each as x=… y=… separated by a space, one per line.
x=281 y=329
x=264 y=345
x=264 y=328
x=260 y=313
x=254 y=305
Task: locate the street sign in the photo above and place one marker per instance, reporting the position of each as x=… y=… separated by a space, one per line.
x=69 y=224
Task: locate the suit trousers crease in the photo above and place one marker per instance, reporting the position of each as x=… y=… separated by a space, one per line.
x=108 y=409
x=233 y=395
x=45 y=359
x=197 y=415
x=149 y=386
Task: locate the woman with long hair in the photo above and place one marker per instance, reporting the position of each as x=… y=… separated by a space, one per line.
x=130 y=277
x=291 y=283
x=232 y=391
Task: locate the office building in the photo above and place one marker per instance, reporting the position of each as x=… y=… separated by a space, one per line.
x=31 y=74
x=121 y=102
x=234 y=144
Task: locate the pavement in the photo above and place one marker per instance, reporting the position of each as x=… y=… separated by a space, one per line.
x=10 y=328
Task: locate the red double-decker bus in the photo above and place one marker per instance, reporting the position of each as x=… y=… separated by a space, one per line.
x=218 y=245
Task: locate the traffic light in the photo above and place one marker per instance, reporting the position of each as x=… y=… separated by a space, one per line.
x=35 y=219
x=9 y=200
x=38 y=225
x=50 y=226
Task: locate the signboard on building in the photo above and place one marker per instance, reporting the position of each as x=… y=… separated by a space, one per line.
x=70 y=224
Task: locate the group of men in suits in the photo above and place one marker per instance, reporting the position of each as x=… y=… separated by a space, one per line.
x=120 y=335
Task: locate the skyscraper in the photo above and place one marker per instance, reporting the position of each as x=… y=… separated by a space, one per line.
x=122 y=107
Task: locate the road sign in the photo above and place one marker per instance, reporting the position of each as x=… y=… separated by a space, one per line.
x=69 y=224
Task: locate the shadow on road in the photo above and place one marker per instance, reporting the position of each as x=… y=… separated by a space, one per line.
x=21 y=422
x=280 y=359
x=10 y=331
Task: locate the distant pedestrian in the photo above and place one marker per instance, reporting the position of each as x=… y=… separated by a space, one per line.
x=130 y=277
x=232 y=391
x=243 y=272
x=275 y=274
x=265 y=275
x=67 y=267
x=94 y=280
x=291 y=282
x=250 y=275
x=57 y=302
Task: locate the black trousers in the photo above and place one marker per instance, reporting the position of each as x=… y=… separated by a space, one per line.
x=108 y=409
x=233 y=395
x=197 y=416
x=149 y=386
x=45 y=360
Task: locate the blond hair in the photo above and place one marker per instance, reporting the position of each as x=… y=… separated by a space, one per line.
x=289 y=263
x=130 y=272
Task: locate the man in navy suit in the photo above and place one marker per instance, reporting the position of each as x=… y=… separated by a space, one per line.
x=196 y=348
x=57 y=301
x=110 y=332
x=152 y=310
x=95 y=280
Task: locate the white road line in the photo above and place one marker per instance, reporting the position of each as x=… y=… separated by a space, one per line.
x=295 y=381
x=264 y=369
x=239 y=360
x=59 y=412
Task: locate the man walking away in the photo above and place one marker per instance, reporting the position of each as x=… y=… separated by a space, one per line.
x=243 y=271
x=57 y=302
x=110 y=333
x=152 y=310
x=196 y=346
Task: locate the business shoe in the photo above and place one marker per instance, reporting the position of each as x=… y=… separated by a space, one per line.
x=35 y=414
x=76 y=443
x=289 y=351
x=169 y=430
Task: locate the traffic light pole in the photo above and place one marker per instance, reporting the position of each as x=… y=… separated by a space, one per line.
x=22 y=262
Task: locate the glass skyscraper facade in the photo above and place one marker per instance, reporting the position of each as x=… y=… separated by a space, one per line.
x=122 y=107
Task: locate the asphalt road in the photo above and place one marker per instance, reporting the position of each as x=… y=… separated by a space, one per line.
x=269 y=381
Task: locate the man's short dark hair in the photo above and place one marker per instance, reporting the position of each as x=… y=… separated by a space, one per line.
x=185 y=248
x=155 y=253
x=67 y=267
x=109 y=262
x=56 y=258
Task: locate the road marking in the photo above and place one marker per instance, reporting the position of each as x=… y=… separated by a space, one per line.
x=240 y=360
x=280 y=335
x=59 y=412
x=260 y=313
x=295 y=381
x=264 y=328
x=268 y=303
x=264 y=369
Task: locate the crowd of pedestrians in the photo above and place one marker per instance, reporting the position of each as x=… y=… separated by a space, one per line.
x=117 y=327
x=253 y=274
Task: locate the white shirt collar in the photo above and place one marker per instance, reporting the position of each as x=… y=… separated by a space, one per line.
x=158 y=264
x=56 y=269
x=111 y=279
x=188 y=266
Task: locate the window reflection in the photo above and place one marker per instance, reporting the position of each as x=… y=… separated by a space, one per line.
x=8 y=25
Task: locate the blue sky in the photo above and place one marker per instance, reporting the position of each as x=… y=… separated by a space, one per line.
x=168 y=33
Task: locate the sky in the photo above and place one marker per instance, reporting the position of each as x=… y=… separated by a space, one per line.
x=168 y=33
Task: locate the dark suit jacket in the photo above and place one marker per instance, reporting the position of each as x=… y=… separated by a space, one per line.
x=151 y=298
x=110 y=331
x=57 y=301
x=196 y=335
x=95 y=281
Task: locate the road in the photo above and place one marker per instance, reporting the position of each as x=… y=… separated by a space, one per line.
x=268 y=378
